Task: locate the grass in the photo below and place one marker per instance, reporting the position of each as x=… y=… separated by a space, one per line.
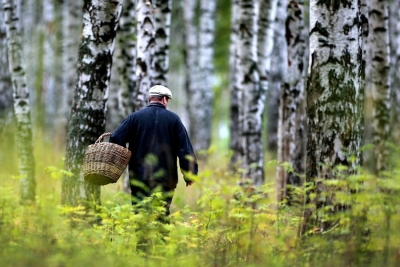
x=213 y=222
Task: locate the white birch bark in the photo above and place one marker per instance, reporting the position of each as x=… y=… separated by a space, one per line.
x=160 y=64
x=26 y=165
x=202 y=102
x=233 y=89
x=127 y=58
x=394 y=31
x=192 y=74
x=251 y=106
x=334 y=99
x=87 y=121
x=71 y=28
x=145 y=51
x=6 y=101
x=49 y=64
x=378 y=90
x=266 y=22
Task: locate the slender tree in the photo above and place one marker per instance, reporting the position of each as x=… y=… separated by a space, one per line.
x=88 y=114
x=233 y=89
x=6 y=101
x=378 y=90
x=160 y=64
x=71 y=29
x=145 y=51
x=26 y=164
x=394 y=31
x=250 y=98
x=291 y=131
x=334 y=102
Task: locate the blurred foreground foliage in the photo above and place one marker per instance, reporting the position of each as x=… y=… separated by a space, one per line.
x=215 y=222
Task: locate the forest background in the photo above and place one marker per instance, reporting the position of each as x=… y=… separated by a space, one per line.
x=217 y=222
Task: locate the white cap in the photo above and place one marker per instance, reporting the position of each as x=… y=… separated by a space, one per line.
x=160 y=90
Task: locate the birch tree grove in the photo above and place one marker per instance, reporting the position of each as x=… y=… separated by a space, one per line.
x=378 y=90
x=291 y=131
x=88 y=115
x=26 y=164
x=334 y=100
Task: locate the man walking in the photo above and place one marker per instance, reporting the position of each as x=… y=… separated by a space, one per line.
x=157 y=138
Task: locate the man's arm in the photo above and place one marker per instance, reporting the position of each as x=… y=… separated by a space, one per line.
x=120 y=135
x=187 y=156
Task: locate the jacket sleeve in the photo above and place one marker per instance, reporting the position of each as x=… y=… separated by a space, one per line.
x=186 y=155
x=121 y=134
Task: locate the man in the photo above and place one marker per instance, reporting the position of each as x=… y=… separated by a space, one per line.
x=156 y=138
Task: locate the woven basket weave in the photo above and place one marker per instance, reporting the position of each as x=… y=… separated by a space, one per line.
x=104 y=162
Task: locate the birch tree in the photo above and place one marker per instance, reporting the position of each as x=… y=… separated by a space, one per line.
x=378 y=89
x=251 y=106
x=291 y=131
x=87 y=121
x=26 y=164
x=233 y=89
x=394 y=31
x=5 y=77
x=276 y=76
x=334 y=101
x=145 y=51
x=160 y=64
x=71 y=28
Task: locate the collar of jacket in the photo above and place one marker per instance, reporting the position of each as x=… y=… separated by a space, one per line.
x=156 y=104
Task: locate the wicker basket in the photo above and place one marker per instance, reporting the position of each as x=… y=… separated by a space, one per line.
x=104 y=162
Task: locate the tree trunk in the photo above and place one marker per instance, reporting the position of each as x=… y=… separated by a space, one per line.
x=6 y=101
x=145 y=51
x=378 y=91
x=24 y=140
x=394 y=31
x=71 y=29
x=88 y=115
x=200 y=131
x=291 y=132
x=160 y=65
x=250 y=98
x=334 y=102
x=234 y=104
x=276 y=76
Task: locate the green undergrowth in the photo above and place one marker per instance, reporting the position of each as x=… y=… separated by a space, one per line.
x=215 y=222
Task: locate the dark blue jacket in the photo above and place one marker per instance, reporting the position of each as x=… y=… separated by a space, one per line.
x=156 y=138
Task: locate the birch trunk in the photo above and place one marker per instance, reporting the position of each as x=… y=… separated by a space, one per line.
x=201 y=103
x=127 y=58
x=160 y=65
x=26 y=164
x=394 y=30
x=334 y=101
x=6 y=101
x=71 y=28
x=234 y=104
x=378 y=90
x=191 y=62
x=145 y=51
x=250 y=99
x=291 y=131
x=87 y=121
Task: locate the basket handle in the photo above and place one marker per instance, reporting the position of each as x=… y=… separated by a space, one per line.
x=101 y=137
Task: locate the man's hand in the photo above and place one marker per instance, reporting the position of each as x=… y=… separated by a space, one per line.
x=189 y=183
